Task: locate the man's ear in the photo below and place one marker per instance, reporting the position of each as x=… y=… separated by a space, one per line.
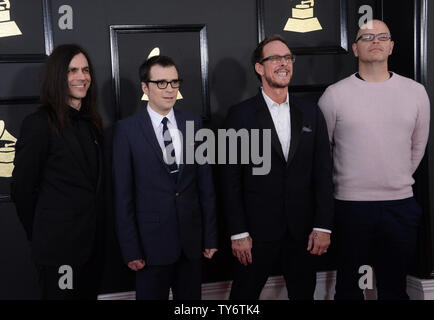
x=354 y=46
x=259 y=68
x=392 y=45
x=145 y=88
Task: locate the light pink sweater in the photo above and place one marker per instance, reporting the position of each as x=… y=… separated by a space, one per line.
x=378 y=132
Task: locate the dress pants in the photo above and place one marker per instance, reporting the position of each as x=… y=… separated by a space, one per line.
x=380 y=234
x=184 y=277
x=297 y=266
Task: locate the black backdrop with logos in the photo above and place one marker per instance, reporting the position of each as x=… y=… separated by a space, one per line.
x=212 y=42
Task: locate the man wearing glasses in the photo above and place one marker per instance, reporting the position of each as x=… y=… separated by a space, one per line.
x=378 y=124
x=165 y=207
x=282 y=219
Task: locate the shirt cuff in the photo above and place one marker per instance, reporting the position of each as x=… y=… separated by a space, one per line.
x=240 y=236
x=322 y=230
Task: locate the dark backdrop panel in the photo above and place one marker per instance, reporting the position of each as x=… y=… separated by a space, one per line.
x=328 y=14
x=31 y=26
x=183 y=46
x=231 y=29
x=19 y=80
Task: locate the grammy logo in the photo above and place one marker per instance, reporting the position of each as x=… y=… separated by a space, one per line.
x=156 y=52
x=8 y=28
x=7 y=151
x=302 y=19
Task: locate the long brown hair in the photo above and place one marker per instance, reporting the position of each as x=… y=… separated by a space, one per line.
x=55 y=93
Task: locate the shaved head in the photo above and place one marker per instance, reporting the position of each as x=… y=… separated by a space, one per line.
x=376 y=50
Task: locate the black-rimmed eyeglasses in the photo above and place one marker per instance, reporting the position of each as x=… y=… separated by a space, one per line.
x=371 y=36
x=276 y=59
x=162 y=84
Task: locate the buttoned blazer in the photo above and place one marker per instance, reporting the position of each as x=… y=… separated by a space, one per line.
x=157 y=218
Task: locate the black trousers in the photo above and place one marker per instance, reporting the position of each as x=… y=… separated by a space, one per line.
x=297 y=264
x=184 y=277
x=379 y=234
x=85 y=282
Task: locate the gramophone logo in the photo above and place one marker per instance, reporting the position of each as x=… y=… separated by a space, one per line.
x=156 y=52
x=8 y=28
x=7 y=151
x=302 y=19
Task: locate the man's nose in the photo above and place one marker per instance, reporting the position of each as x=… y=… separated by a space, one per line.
x=80 y=75
x=375 y=40
x=170 y=88
x=283 y=62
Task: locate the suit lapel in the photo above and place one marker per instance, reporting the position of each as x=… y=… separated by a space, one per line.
x=181 y=124
x=145 y=124
x=266 y=122
x=296 y=127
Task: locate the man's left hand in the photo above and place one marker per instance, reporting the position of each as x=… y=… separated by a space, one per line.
x=208 y=253
x=318 y=242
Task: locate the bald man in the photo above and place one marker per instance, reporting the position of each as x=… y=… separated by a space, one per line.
x=378 y=123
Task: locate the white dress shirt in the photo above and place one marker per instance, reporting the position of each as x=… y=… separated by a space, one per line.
x=282 y=121
x=281 y=116
x=173 y=129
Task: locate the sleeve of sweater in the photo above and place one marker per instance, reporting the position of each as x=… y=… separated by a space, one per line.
x=328 y=108
x=419 y=137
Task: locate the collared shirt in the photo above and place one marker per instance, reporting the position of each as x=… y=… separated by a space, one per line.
x=156 y=119
x=282 y=121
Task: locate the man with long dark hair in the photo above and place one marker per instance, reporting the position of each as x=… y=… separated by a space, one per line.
x=57 y=179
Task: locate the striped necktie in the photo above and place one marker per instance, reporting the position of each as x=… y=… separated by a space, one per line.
x=169 y=146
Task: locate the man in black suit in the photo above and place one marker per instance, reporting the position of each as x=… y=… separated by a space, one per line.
x=58 y=178
x=284 y=216
x=165 y=207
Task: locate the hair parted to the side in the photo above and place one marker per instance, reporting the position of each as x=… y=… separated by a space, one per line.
x=258 y=54
x=54 y=93
x=145 y=68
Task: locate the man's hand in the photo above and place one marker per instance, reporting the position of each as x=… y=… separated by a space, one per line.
x=136 y=265
x=242 y=250
x=208 y=253
x=318 y=242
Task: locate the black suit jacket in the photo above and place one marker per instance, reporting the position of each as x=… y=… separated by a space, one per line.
x=296 y=195
x=57 y=198
x=156 y=218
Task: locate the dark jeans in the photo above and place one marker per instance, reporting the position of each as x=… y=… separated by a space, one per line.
x=380 y=234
